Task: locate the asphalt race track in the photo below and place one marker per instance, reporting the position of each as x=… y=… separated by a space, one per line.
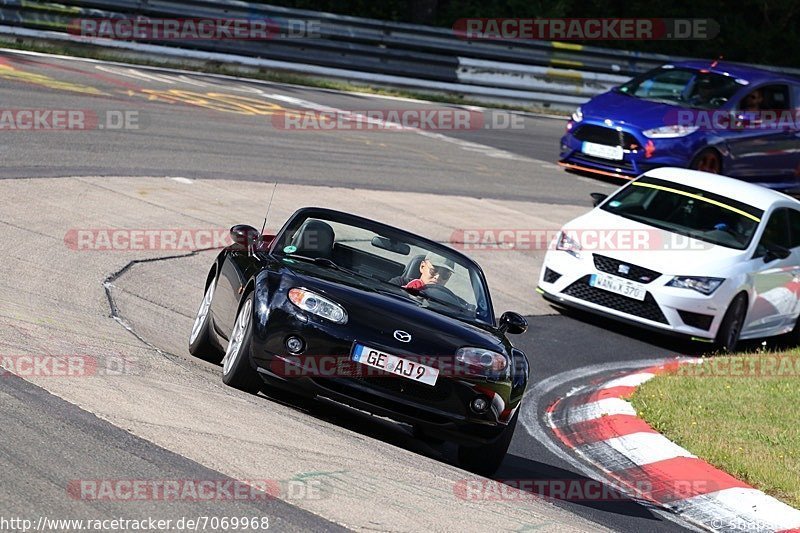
x=206 y=153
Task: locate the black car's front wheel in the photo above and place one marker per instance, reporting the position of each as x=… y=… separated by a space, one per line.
x=200 y=344
x=237 y=371
x=487 y=458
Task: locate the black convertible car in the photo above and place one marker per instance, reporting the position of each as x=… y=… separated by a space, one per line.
x=371 y=316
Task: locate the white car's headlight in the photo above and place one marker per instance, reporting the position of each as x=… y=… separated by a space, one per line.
x=577 y=115
x=481 y=362
x=700 y=284
x=670 y=132
x=568 y=244
x=318 y=305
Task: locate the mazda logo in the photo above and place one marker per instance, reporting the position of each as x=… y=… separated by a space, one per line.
x=402 y=336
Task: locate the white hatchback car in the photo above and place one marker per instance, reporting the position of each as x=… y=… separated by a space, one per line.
x=684 y=252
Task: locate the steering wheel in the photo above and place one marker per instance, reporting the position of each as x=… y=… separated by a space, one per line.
x=440 y=292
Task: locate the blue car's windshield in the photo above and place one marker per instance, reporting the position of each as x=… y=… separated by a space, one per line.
x=683 y=86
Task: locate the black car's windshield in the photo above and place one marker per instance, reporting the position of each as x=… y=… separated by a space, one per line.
x=393 y=263
x=683 y=86
x=687 y=211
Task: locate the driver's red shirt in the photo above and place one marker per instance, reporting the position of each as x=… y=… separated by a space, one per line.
x=416 y=284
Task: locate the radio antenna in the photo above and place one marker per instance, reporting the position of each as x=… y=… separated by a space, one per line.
x=269 y=206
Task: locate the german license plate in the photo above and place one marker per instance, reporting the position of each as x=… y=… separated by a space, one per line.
x=395 y=365
x=602 y=150
x=618 y=286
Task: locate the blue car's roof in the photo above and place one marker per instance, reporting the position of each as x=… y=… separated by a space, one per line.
x=752 y=74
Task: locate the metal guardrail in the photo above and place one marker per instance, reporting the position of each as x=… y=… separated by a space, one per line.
x=414 y=56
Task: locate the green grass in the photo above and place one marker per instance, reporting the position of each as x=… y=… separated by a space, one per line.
x=744 y=422
x=266 y=75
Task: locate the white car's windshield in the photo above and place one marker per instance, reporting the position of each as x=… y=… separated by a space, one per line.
x=687 y=211
x=684 y=87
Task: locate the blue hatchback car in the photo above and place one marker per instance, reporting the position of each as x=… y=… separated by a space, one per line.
x=724 y=118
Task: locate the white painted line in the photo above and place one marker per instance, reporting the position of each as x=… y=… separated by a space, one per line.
x=739 y=509
x=600 y=408
x=639 y=448
x=183 y=180
x=632 y=380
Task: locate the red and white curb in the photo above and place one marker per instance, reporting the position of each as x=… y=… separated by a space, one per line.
x=599 y=425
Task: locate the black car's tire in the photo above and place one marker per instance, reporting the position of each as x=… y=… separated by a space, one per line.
x=731 y=327
x=708 y=160
x=237 y=371
x=487 y=458
x=200 y=344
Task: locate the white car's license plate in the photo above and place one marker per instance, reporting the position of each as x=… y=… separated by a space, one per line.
x=395 y=365
x=617 y=285
x=602 y=150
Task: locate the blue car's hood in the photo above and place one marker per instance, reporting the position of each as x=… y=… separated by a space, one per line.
x=636 y=112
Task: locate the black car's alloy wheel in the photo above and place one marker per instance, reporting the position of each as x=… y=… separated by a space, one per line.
x=200 y=344
x=236 y=369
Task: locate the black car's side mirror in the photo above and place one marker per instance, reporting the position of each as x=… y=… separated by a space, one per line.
x=776 y=252
x=597 y=198
x=244 y=236
x=513 y=323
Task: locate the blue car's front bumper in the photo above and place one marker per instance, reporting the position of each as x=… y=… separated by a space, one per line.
x=640 y=154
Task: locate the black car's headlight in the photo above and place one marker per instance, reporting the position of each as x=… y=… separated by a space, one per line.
x=482 y=362
x=700 y=284
x=318 y=305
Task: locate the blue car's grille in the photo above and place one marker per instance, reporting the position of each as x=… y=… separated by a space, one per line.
x=583 y=158
x=603 y=135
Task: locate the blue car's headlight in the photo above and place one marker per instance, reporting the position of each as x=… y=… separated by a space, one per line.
x=577 y=115
x=700 y=284
x=670 y=132
x=318 y=305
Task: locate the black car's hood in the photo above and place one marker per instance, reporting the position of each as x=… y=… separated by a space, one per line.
x=375 y=314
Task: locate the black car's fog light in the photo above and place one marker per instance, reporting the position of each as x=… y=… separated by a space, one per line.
x=480 y=404
x=295 y=344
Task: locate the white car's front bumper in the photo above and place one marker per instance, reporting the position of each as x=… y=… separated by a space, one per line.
x=564 y=279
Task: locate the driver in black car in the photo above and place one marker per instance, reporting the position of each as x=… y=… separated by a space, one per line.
x=433 y=270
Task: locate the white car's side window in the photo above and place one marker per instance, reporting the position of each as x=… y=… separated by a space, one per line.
x=776 y=232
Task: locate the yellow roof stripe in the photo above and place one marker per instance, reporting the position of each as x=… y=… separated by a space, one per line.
x=698 y=197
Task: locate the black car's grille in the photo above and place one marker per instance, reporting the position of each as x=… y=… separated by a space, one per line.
x=608 y=136
x=634 y=272
x=696 y=320
x=406 y=388
x=551 y=276
x=646 y=309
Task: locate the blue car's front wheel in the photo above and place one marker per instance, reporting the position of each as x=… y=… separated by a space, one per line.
x=708 y=160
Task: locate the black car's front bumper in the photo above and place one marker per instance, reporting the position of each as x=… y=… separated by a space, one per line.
x=441 y=411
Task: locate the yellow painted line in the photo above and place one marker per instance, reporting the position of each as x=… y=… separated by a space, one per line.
x=567 y=46
x=560 y=73
x=565 y=62
x=8 y=72
x=698 y=197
